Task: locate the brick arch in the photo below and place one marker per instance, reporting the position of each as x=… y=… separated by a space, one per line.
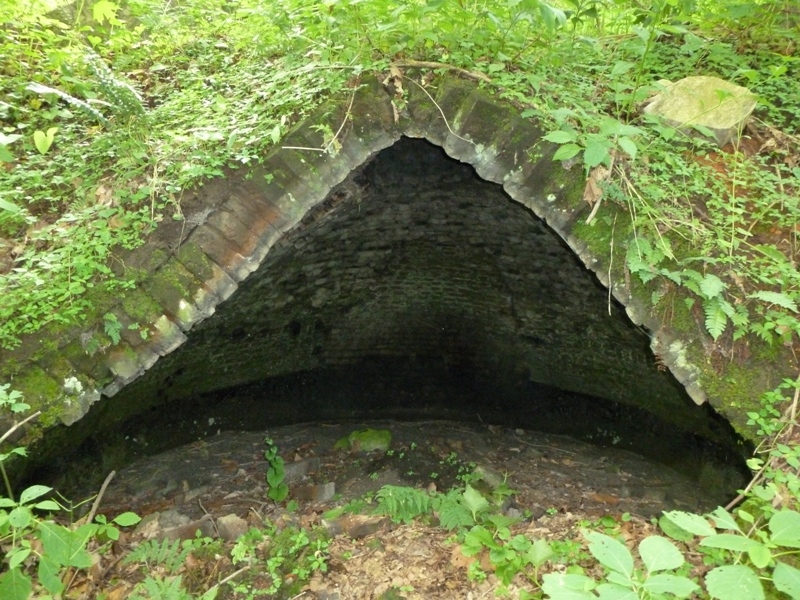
x=231 y=224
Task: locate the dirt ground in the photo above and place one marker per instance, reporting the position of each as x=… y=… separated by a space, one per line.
x=559 y=486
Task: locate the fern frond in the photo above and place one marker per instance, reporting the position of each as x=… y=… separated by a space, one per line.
x=716 y=319
x=170 y=555
x=402 y=504
x=79 y=104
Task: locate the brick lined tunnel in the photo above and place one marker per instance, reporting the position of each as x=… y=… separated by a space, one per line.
x=414 y=290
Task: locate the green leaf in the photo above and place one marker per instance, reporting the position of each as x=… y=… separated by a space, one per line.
x=105 y=10
x=4 y=204
x=64 y=546
x=760 y=556
x=724 y=520
x=785 y=528
x=694 y=524
x=712 y=286
x=478 y=537
x=43 y=140
x=474 y=501
x=49 y=574
x=47 y=505
x=15 y=585
x=673 y=531
x=629 y=146
x=716 y=319
x=33 y=492
x=611 y=553
x=561 y=137
x=611 y=591
x=659 y=554
x=778 y=298
x=539 y=553
x=567 y=586
x=596 y=153
x=20 y=517
x=729 y=541
x=566 y=152
x=787 y=580
x=127 y=519
x=734 y=582
x=664 y=583
x=15 y=557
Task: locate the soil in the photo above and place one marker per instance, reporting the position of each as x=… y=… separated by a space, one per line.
x=560 y=486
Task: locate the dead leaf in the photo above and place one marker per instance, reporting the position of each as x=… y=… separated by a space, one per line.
x=104 y=195
x=593 y=191
x=458 y=560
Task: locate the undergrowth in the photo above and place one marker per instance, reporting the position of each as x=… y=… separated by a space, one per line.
x=112 y=112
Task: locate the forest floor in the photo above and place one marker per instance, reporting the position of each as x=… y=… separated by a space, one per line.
x=556 y=487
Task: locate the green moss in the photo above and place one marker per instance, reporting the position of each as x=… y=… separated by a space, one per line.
x=612 y=224
x=140 y=307
x=195 y=261
x=39 y=389
x=738 y=390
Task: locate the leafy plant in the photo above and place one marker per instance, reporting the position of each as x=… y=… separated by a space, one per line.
x=171 y=555
x=290 y=556
x=32 y=539
x=763 y=546
x=276 y=472
x=402 y=504
x=509 y=554
x=659 y=556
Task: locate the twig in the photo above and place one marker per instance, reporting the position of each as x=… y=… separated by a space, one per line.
x=450 y=129
x=6 y=435
x=424 y=64
x=16 y=426
x=333 y=139
x=232 y=575
x=97 y=500
x=213 y=521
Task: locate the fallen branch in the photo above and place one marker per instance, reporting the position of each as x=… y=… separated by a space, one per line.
x=424 y=64
x=96 y=504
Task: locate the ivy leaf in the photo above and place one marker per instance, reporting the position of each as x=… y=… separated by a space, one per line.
x=734 y=582
x=33 y=492
x=778 y=298
x=613 y=591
